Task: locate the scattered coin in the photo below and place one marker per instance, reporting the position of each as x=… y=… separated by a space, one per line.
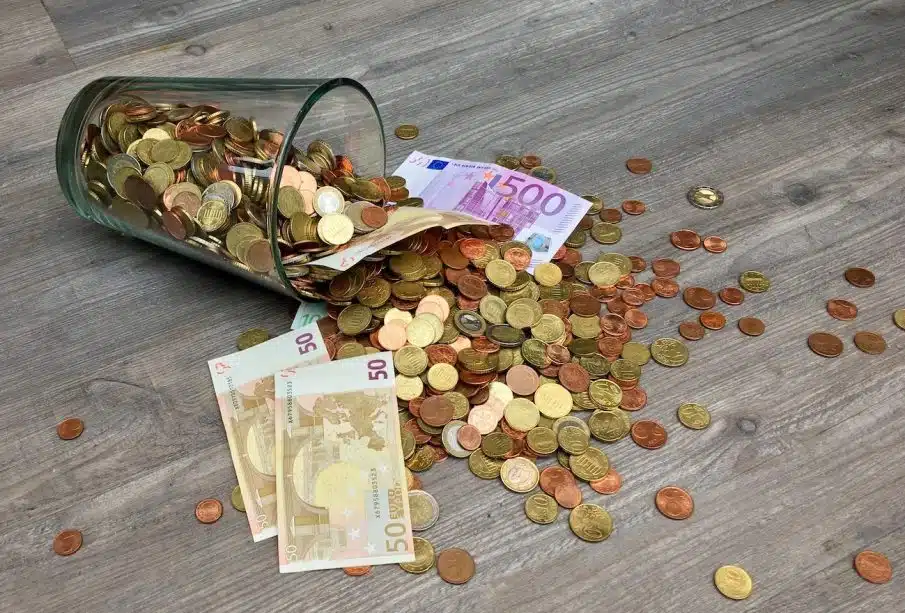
x=406 y=131
x=870 y=342
x=541 y=508
x=825 y=344
x=648 y=434
x=608 y=484
x=357 y=571
x=424 y=557
x=732 y=296
x=634 y=207
x=899 y=318
x=235 y=499
x=70 y=428
x=714 y=244
x=639 y=166
x=67 y=542
x=687 y=240
x=530 y=161
x=252 y=337
x=674 y=502
x=208 y=511
x=590 y=522
x=712 y=320
x=751 y=326
x=424 y=510
x=691 y=330
x=841 y=309
x=455 y=566
x=874 y=567
x=860 y=277
x=754 y=281
x=733 y=582
x=705 y=197
x=693 y=415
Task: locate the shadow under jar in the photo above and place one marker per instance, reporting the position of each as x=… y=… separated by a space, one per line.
x=198 y=165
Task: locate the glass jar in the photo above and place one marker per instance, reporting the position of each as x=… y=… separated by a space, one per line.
x=198 y=165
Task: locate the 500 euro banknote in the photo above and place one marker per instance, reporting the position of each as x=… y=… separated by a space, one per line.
x=244 y=385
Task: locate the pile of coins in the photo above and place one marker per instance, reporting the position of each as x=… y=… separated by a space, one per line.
x=205 y=176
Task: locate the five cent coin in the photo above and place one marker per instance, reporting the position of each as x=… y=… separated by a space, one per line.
x=67 y=542
x=455 y=566
x=873 y=567
x=71 y=428
x=208 y=510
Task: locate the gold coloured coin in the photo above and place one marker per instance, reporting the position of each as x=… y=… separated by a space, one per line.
x=609 y=425
x=693 y=415
x=573 y=440
x=442 y=377
x=521 y=414
x=754 y=281
x=406 y=131
x=669 y=352
x=636 y=353
x=410 y=361
x=482 y=466
x=604 y=274
x=423 y=458
x=354 y=319
x=519 y=474
x=541 y=508
x=496 y=445
x=590 y=522
x=705 y=197
x=591 y=465
x=605 y=393
x=235 y=498
x=252 y=337
x=408 y=444
x=553 y=400
x=899 y=318
x=547 y=274
x=541 y=440
x=733 y=582
x=424 y=557
x=423 y=509
x=501 y=273
x=408 y=387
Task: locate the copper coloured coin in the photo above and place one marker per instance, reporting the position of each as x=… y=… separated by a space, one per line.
x=647 y=291
x=609 y=347
x=633 y=207
x=518 y=257
x=574 y=378
x=751 y=326
x=530 y=161
x=208 y=510
x=870 y=342
x=522 y=380
x=553 y=478
x=437 y=411
x=639 y=166
x=472 y=286
x=357 y=571
x=692 y=330
x=639 y=264
x=374 y=217
x=455 y=566
x=584 y=305
x=665 y=288
x=873 y=566
x=608 y=484
x=715 y=244
x=859 y=277
x=841 y=309
x=687 y=240
x=633 y=399
x=473 y=248
x=635 y=318
x=732 y=296
x=437 y=354
x=610 y=215
x=469 y=437
x=482 y=344
x=825 y=344
x=665 y=267
x=712 y=320
x=568 y=496
x=674 y=502
x=67 y=542
x=633 y=296
x=649 y=434
x=699 y=298
x=71 y=428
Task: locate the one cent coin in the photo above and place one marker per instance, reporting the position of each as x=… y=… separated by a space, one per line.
x=691 y=330
x=686 y=240
x=530 y=161
x=860 y=277
x=608 y=484
x=208 y=510
x=357 y=571
x=437 y=411
x=873 y=567
x=665 y=288
x=568 y=496
x=732 y=296
x=610 y=215
x=71 y=428
x=699 y=298
x=751 y=326
x=469 y=437
x=674 y=502
x=374 y=217
x=712 y=320
x=825 y=344
x=841 y=309
x=67 y=542
x=648 y=434
x=455 y=566
x=639 y=166
x=634 y=207
x=870 y=342
x=553 y=478
x=635 y=318
x=665 y=267
x=715 y=244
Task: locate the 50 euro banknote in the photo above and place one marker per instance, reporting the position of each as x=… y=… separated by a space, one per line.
x=341 y=488
x=244 y=384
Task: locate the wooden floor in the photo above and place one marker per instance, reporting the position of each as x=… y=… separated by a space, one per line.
x=795 y=109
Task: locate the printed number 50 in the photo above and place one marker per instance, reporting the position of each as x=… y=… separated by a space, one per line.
x=304 y=343
x=396 y=531
x=377 y=370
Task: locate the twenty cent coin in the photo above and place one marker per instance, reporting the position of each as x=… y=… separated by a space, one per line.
x=733 y=582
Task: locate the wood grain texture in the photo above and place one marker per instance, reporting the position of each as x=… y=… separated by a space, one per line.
x=794 y=109
x=30 y=48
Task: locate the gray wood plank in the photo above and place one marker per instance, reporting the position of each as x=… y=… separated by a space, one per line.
x=793 y=109
x=30 y=47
